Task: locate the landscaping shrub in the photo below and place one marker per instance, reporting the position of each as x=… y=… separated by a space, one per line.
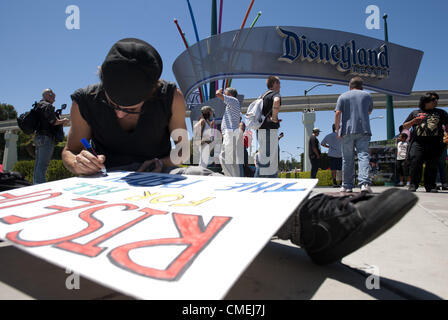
x=55 y=171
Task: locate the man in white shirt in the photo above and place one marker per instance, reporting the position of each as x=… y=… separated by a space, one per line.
x=231 y=156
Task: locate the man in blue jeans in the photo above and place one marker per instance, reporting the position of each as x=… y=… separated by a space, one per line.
x=354 y=107
x=44 y=138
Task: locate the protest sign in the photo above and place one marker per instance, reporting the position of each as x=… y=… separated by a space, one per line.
x=149 y=235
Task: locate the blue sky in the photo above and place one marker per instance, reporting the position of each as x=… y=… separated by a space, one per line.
x=38 y=51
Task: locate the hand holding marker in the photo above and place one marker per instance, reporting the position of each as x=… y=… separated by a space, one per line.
x=91 y=150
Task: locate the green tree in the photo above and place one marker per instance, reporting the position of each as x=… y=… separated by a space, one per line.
x=7 y=112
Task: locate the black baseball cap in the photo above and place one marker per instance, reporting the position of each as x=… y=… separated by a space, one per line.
x=131 y=69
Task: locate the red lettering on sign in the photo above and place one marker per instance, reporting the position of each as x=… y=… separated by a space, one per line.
x=59 y=209
x=87 y=216
x=10 y=198
x=191 y=229
x=90 y=249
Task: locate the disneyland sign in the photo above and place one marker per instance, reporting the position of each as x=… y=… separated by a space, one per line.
x=346 y=57
x=299 y=53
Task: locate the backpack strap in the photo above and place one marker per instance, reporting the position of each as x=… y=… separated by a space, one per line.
x=263 y=96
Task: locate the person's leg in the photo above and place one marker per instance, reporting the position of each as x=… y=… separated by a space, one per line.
x=362 y=148
x=44 y=152
x=432 y=158
x=400 y=171
x=314 y=168
x=329 y=227
x=338 y=162
x=416 y=155
x=333 y=169
x=204 y=155
x=268 y=148
x=348 y=162
x=231 y=156
x=441 y=174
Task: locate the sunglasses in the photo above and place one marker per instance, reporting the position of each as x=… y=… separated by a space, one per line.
x=116 y=107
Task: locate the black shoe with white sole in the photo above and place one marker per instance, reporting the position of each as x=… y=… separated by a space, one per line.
x=329 y=227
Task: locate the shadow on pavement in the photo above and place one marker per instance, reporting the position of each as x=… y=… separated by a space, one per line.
x=279 y=272
x=285 y=272
x=35 y=278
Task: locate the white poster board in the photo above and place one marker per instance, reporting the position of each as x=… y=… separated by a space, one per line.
x=151 y=236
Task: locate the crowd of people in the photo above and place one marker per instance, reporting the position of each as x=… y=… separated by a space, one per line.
x=420 y=140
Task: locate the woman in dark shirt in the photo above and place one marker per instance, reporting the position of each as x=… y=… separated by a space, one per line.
x=129 y=117
x=426 y=141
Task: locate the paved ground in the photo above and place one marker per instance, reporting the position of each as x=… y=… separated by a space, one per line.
x=411 y=260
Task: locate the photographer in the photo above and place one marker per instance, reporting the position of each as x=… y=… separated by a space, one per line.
x=49 y=127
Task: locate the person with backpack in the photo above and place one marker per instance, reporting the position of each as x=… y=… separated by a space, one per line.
x=267 y=133
x=44 y=138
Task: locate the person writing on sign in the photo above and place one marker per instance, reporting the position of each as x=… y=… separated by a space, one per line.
x=130 y=116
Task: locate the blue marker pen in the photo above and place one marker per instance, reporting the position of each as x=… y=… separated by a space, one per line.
x=91 y=150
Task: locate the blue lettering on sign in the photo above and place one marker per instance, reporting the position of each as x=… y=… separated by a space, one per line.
x=254 y=187
x=93 y=190
x=346 y=57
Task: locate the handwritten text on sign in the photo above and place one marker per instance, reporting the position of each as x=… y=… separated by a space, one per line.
x=111 y=219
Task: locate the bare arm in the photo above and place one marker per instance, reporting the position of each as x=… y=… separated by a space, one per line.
x=61 y=121
x=337 y=121
x=179 y=134
x=275 y=109
x=219 y=94
x=409 y=124
x=75 y=158
x=177 y=122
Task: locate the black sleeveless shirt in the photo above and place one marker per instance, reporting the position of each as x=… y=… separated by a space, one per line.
x=151 y=137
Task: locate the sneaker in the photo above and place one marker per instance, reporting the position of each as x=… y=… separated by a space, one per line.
x=412 y=188
x=332 y=227
x=444 y=186
x=366 y=188
x=400 y=184
x=344 y=189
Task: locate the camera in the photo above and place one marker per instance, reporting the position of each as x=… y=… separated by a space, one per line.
x=59 y=111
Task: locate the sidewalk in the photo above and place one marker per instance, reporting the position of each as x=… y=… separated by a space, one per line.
x=411 y=260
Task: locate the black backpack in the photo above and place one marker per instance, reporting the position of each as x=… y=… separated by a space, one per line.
x=12 y=180
x=28 y=122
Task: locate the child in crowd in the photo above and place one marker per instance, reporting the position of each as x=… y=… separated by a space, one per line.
x=402 y=161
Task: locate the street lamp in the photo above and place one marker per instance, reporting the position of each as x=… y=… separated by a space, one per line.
x=290 y=154
x=317 y=85
x=389 y=100
x=308 y=119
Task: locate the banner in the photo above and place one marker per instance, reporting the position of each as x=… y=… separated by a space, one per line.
x=299 y=53
x=148 y=235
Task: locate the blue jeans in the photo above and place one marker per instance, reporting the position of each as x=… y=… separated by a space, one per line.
x=44 y=152
x=360 y=143
x=441 y=173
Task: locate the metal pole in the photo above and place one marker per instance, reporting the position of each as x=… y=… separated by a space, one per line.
x=389 y=100
x=214 y=31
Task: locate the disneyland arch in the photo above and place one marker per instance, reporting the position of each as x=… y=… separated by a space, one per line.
x=299 y=53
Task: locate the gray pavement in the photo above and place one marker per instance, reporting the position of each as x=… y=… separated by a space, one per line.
x=410 y=261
